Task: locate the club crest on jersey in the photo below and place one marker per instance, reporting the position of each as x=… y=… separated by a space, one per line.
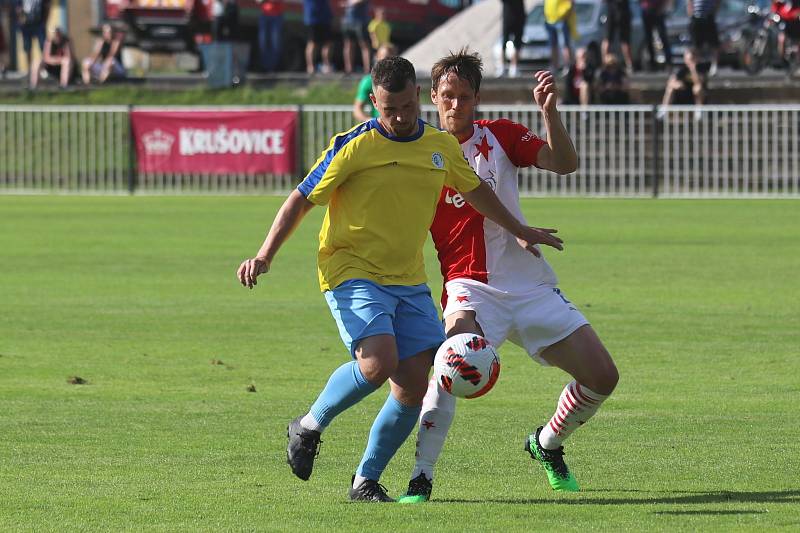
x=437 y=160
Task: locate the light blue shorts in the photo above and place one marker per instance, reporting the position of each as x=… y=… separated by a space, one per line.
x=362 y=308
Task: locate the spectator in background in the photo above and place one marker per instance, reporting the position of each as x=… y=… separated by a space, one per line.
x=559 y=16
x=654 y=17
x=355 y=30
x=106 y=59
x=679 y=90
x=317 y=16
x=9 y=8
x=619 y=23
x=31 y=19
x=699 y=67
x=270 y=33
x=703 y=32
x=3 y=46
x=57 y=60
x=380 y=31
x=513 y=25
x=363 y=109
x=579 y=80
x=789 y=13
x=225 y=24
x=613 y=82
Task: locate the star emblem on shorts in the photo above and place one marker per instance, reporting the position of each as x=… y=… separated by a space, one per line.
x=484 y=148
x=461 y=299
x=428 y=424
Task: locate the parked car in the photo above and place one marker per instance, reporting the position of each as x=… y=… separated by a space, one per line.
x=180 y=25
x=732 y=21
x=591 y=18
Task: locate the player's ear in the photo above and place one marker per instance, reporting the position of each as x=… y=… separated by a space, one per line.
x=373 y=100
x=433 y=95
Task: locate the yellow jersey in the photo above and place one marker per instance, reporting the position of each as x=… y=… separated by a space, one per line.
x=381 y=193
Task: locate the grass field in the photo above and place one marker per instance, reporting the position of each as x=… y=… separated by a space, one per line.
x=696 y=300
x=338 y=92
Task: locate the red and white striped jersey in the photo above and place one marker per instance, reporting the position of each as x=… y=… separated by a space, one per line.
x=472 y=247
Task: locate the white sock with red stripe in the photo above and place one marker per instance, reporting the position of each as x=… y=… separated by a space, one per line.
x=438 y=410
x=576 y=405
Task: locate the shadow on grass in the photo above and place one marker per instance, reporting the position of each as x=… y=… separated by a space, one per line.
x=686 y=497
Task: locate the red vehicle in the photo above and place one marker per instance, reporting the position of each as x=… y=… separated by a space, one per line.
x=179 y=25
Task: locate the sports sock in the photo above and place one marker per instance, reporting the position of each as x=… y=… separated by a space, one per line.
x=576 y=405
x=346 y=387
x=391 y=428
x=438 y=411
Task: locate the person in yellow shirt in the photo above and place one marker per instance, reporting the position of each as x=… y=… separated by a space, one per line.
x=381 y=181
x=380 y=31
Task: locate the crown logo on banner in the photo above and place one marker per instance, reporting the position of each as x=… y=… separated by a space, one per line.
x=157 y=142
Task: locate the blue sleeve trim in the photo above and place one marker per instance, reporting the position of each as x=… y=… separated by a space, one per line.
x=314 y=176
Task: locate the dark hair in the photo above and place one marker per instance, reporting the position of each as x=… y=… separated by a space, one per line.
x=466 y=65
x=393 y=74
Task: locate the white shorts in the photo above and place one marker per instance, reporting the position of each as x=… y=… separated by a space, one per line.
x=534 y=319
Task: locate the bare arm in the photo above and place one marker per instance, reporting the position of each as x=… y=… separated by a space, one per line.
x=559 y=154
x=47 y=56
x=288 y=218
x=484 y=200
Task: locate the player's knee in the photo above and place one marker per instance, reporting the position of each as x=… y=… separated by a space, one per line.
x=377 y=370
x=605 y=380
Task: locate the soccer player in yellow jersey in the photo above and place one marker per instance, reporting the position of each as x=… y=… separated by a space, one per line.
x=381 y=181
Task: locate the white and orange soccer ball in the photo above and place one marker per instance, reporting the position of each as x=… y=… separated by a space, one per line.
x=466 y=366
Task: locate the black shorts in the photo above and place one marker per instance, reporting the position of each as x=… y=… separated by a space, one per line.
x=619 y=20
x=319 y=33
x=54 y=71
x=355 y=30
x=792 y=29
x=513 y=23
x=703 y=31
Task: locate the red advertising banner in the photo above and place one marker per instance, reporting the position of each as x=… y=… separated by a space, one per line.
x=215 y=142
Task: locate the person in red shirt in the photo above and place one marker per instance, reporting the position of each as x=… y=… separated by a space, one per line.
x=493 y=287
x=789 y=12
x=270 y=34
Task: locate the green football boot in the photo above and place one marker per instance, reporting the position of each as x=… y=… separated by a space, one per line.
x=419 y=490
x=559 y=476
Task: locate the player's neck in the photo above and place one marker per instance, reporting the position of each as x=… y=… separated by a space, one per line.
x=465 y=134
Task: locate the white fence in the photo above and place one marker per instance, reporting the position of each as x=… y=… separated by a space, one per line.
x=720 y=151
x=725 y=151
x=64 y=148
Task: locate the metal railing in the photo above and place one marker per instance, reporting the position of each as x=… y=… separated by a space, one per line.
x=725 y=151
x=64 y=149
x=678 y=151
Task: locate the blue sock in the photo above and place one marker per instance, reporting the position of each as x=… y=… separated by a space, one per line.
x=391 y=428
x=346 y=387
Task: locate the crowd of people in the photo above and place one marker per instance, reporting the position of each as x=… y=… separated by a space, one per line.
x=57 y=59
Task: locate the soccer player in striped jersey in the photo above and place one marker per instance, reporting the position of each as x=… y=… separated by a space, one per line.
x=381 y=181
x=493 y=287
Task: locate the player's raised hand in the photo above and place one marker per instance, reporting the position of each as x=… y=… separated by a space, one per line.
x=545 y=94
x=250 y=269
x=534 y=236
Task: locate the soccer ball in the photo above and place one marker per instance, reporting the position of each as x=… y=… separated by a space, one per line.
x=466 y=365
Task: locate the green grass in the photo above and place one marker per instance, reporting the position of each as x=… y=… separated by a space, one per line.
x=697 y=301
x=340 y=92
